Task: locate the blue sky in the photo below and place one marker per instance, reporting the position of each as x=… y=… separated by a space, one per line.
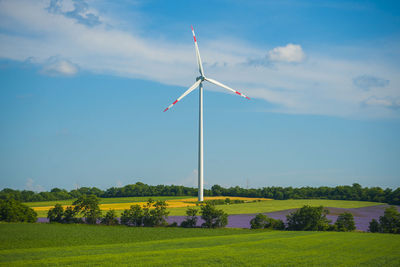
x=84 y=84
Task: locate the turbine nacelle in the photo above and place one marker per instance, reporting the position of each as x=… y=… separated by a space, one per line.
x=201 y=78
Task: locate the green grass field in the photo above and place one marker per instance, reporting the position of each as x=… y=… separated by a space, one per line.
x=53 y=244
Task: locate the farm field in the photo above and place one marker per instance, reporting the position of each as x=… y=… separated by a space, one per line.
x=278 y=205
x=110 y=200
x=178 y=205
x=54 y=244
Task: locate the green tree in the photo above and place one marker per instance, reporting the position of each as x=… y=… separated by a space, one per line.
x=110 y=218
x=390 y=221
x=70 y=216
x=213 y=218
x=56 y=214
x=132 y=216
x=216 y=190
x=258 y=222
x=275 y=224
x=191 y=218
x=155 y=213
x=374 y=226
x=88 y=205
x=261 y=221
x=14 y=211
x=345 y=222
x=308 y=218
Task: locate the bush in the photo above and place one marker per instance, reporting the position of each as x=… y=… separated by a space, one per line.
x=275 y=224
x=174 y=224
x=345 y=222
x=110 y=218
x=213 y=217
x=225 y=201
x=14 y=211
x=308 y=218
x=191 y=218
x=215 y=202
x=261 y=221
x=374 y=226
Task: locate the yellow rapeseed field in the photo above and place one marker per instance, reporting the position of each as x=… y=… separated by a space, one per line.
x=172 y=203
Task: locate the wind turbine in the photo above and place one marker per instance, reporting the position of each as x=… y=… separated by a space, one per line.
x=199 y=83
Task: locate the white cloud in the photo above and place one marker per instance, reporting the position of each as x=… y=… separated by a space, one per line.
x=319 y=85
x=288 y=53
x=31 y=186
x=383 y=102
x=56 y=66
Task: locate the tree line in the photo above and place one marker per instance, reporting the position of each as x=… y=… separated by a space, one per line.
x=344 y=192
x=155 y=213
x=152 y=214
x=310 y=218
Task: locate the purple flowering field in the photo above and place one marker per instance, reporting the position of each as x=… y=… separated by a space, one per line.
x=362 y=216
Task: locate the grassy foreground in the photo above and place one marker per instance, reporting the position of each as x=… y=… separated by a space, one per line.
x=52 y=244
x=244 y=208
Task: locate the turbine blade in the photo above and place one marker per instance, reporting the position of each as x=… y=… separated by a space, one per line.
x=194 y=86
x=198 y=54
x=224 y=86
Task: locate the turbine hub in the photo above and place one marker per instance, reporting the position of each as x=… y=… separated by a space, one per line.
x=200 y=78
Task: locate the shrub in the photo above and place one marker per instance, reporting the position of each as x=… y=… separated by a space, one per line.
x=110 y=218
x=225 y=201
x=174 y=224
x=261 y=221
x=215 y=202
x=14 y=211
x=345 y=222
x=374 y=226
x=258 y=222
x=308 y=218
x=213 y=217
x=275 y=224
x=191 y=218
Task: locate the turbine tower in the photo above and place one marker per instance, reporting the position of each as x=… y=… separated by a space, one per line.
x=199 y=83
